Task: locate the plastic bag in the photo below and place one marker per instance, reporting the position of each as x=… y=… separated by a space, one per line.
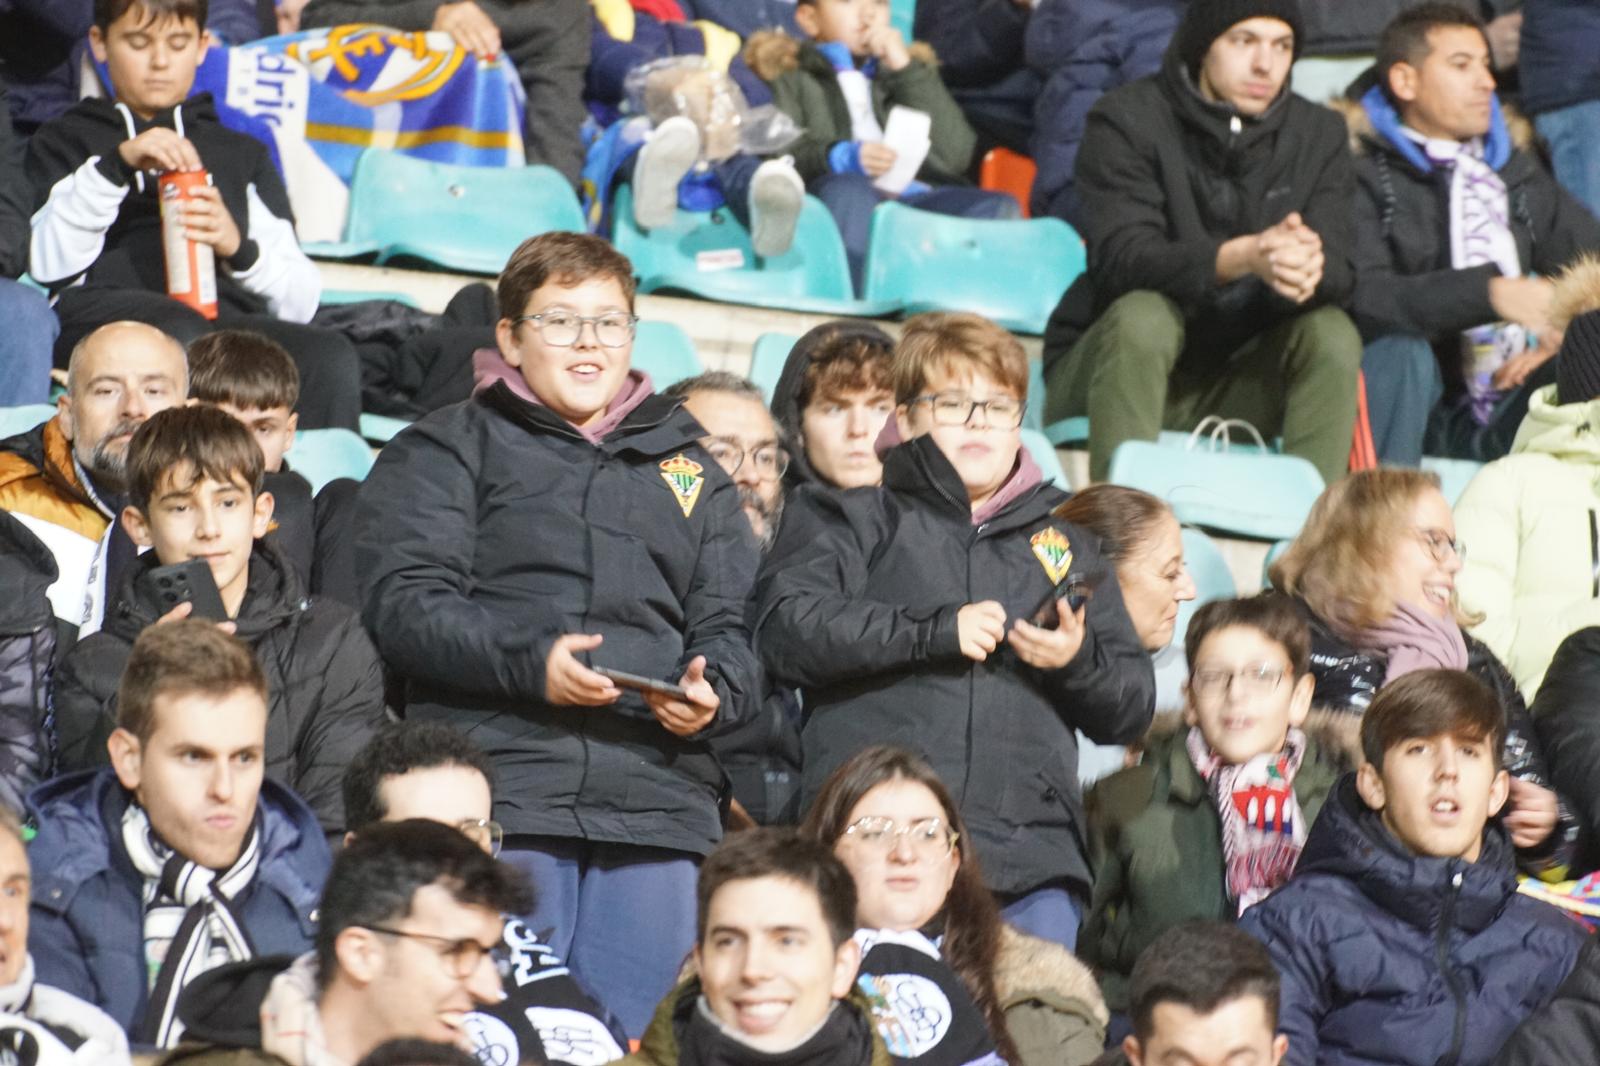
x=686 y=85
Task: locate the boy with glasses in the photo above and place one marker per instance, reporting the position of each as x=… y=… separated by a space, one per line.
x=1215 y=816
x=933 y=613
x=563 y=519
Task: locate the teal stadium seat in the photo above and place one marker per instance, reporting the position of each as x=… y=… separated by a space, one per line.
x=381 y=428
x=665 y=352
x=708 y=254
x=321 y=455
x=1454 y=474
x=901 y=15
x=332 y=297
x=14 y=420
x=1010 y=270
x=457 y=217
x=1266 y=497
x=1044 y=453
x=767 y=359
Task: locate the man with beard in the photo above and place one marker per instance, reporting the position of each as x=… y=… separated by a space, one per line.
x=761 y=756
x=65 y=480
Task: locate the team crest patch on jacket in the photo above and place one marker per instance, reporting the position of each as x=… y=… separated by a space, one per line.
x=683 y=476
x=1054 y=553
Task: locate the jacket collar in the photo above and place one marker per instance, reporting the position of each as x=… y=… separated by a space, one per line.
x=1387 y=127
x=919 y=469
x=273 y=595
x=1218 y=122
x=657 y=425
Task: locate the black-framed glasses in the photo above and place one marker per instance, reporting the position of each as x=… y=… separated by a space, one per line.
x=928 y=837
x=561 y=329
x=1441 y=545
x=461 y=958
x=954 y=409
x=484 y=832
x=1257 y=679
x=772 y=460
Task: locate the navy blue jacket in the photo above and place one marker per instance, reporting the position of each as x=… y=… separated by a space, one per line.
x=87 y=916
x=1387 y=957
x=979 y=42
x=1081 y=50
x=1560 y=39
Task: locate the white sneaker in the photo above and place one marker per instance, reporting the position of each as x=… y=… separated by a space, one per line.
x=776 y=196
x=665 y=158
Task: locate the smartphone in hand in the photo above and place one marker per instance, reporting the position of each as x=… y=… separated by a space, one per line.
x=164 y=587
x=642 y=684
x=1076 y=589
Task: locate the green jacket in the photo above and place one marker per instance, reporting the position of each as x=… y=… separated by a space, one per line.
x=1156 y=842
x=804 y=87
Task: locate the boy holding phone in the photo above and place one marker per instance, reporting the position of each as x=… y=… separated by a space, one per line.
x=194 y=481
x=902 y=613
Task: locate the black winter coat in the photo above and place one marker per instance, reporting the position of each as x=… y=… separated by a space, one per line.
x=1566 y=714
x=28 y=641
x=857 y=606
x=1347 y=680
x=1404 y=281
x=1567 y=1028
x=979 y=42
x=492 y=527
x=324 y=682
x=1387 y=957
x=786 y=409
x=1560 y=39
x=1165 y=178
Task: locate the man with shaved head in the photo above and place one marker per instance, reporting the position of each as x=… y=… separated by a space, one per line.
x=64 y=479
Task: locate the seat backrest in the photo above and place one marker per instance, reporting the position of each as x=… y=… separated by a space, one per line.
x=1263 y=496
x=460 y=217
x=767 y=358
x=321 y=455
x=708 y=253
x=14 y=420
x=1454 y=474
x=1044 y=453
x=665 y=352
x=1010 y=270
x=1003 y=170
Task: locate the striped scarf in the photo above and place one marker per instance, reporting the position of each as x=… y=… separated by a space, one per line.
x=1262 y=827
x=190 y=924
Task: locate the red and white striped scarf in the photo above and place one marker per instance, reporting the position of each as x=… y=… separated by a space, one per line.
x=1262 y=827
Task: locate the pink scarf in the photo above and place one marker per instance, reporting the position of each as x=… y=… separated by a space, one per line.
x=489 y=366
x=1262 y=827
x=1413 y=639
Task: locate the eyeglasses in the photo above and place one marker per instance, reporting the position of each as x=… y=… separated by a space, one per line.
x=1440 y=545
x=561 y=329
x=954 y=409
x=484 y=832
x=928 y=837
x=771 y=460
x=1257 y=679
x=461 y=958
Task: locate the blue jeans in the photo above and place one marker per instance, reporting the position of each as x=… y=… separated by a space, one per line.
x=26 y=341
x=1049 y=913
x=622 y=916
x=1574 y=136
x=1404 y=385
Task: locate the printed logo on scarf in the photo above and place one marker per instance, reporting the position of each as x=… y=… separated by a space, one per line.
x=1054 y=553
x=683 y=476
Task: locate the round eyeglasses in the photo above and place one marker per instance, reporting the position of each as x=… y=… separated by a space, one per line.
x=954 y=409
x=928 y=837
x=561 y=329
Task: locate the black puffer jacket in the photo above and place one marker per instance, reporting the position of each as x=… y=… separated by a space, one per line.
x=324 y=682
x=786 y=394
x=27 y=650
x=492 y=527
x=1567 y=1028
x=857 y=606
x=1348 y=679
x=1165 y=177
x=1566 y=713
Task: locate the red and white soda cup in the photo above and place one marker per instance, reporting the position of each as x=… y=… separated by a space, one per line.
x=191 y=265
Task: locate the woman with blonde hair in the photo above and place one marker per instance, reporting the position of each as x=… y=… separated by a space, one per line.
x=1375 y=570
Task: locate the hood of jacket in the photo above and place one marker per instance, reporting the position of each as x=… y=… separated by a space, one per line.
x=1374 y=126
x=274 y=596
x=1566 y=431
x=43 y=451
x=919 y=469
x=1349 y=840
x=786 y=394
x=660 y=1043
x=1230 y=133
x=1030 y=968
x=223 y=1006
x=773 y=53
x=92 y=118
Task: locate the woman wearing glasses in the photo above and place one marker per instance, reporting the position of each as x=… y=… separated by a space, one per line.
x=956 y=983
x=1375 y=569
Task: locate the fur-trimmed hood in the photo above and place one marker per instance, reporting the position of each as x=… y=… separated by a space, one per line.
x=1335 y=733
x=1364 y=135
x=1577 y=291
x=1029 y=968
x=771 y=53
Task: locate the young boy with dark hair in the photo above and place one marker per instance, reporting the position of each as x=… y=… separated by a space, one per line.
x=1216 y=814
x=1204 y=994
x=194 y=479
x=1401 y=937
x=563 y=519
x=921 y=614
x=97 y=230
x=839 y=86
x=831 y=402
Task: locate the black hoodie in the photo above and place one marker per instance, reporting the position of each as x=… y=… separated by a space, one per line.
x=786 y=394
x=1166 y=177
x=98 y=220
x=323 y=678
x=27 y=649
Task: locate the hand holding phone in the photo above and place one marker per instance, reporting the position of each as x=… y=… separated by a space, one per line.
x=640 y=683
x=1076 y=589
x=165 y=588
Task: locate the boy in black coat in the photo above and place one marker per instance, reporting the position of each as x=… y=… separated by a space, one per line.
x=195 y=493
x=920 y=614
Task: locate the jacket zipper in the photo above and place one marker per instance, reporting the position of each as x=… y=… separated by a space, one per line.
x=1442 y=949
x=1594 y=554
